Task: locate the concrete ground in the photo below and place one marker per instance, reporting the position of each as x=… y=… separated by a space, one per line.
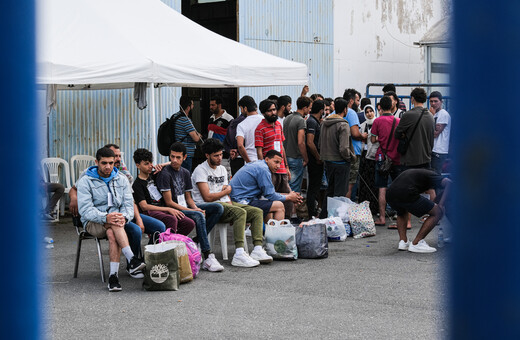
x=365 y=289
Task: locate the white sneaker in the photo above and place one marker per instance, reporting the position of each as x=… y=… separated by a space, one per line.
x=244 y=260
x=261 y=256
x=212 y=264
x=421 y=247
x=404 y=245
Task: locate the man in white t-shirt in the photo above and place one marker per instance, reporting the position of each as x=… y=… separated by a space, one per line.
x=441 y=141
x=246 y=136
x=210 y=184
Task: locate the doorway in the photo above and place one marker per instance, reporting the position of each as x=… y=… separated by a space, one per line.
x=219 y=16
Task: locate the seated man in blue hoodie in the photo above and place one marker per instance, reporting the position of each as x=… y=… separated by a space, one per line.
x=106 y=205
x=253 y=181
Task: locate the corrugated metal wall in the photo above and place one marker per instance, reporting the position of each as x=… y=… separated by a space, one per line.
x=299 y=30
x=86 y=120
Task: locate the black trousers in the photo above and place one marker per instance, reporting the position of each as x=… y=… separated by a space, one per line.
x=235 y=165
x=337 y=176
x=315 y=175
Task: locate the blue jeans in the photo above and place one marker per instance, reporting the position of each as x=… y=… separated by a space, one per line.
x=203 y=224
x=151 y=225
x=296 y=168
x=187 y=163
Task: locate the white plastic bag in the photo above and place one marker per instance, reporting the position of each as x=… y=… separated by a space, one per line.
x=339 y=207
x=336 y=229
x=280 y=240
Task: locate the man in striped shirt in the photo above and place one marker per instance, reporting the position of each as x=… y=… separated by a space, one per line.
x=269 y=136
x=219 y=119
x=185 y=131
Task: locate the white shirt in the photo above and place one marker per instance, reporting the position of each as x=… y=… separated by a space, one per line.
x=246 y=129
x=441 y=144
x=215 y=178
x=280 y=119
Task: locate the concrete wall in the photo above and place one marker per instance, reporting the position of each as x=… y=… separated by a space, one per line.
x=373 y=41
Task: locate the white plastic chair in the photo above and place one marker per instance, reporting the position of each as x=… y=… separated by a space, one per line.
x=78 y=163
x=53 y=169
x=222 y=230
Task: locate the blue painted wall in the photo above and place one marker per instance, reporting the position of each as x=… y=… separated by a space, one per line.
x=298 y=30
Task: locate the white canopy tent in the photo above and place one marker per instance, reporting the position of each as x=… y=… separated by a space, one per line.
x=116 y=43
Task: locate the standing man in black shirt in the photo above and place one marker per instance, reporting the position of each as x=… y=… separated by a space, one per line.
x=315 y=165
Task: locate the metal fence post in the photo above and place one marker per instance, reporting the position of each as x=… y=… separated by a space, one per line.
x=485 y=255
x=21 y=287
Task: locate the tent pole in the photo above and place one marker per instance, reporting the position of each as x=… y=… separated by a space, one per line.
x=152 y=123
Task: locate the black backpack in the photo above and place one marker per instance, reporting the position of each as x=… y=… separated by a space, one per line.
x=166 y=134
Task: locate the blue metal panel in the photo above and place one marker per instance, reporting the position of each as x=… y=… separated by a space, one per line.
x=21 y=291
x=298 y=30
x=86 y=120
x=485 y=267
x=175 y=4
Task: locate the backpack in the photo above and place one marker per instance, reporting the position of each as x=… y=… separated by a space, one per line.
x=166 y=134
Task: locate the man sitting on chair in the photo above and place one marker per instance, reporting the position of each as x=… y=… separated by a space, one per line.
x=106 y=205
x=210 y=184
x=253 y=181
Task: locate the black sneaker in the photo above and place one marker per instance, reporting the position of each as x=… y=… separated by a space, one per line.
x=113 y=284
x=135 y=265
x=138 y=274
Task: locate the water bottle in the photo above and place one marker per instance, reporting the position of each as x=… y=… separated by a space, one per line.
x=380 y=158
x=440 y=238
x=49 y=241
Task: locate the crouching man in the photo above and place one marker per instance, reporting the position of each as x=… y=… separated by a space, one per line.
x=106 y=205
x=404 y=196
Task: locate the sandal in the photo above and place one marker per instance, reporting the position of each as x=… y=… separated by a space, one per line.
x=423 y=218
x=394 y=226
x=380 y=224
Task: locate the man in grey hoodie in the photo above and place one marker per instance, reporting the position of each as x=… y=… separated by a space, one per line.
x=106 y=205
x=336 y=152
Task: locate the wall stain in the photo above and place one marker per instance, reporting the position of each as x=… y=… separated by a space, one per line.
x=379 y=47
x=411 y=15
x=352 y=22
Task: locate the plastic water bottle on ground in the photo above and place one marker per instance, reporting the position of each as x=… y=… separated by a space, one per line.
x=49 y=241
x=440 y=237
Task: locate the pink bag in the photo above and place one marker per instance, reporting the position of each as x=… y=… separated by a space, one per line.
x=193 y=252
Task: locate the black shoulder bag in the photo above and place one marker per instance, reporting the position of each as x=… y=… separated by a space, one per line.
x=404 y=143
x=384 y=169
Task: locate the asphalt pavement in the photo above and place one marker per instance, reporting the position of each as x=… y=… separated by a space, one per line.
x=365 y=289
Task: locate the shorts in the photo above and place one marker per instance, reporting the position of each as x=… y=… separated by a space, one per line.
x=96 y=229
x=418 y=208
x=381 y=181
x=265 y=205
x=354 y=170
